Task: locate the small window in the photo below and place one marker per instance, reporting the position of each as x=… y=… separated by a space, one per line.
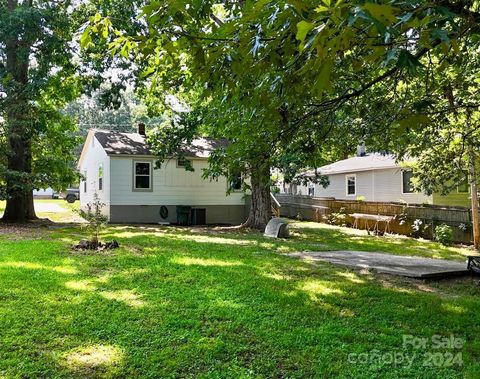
x=236 y=183
x=182 y=162
x=85 y=181
x=142 y=176
x=311 y=191
x=463 y=187
x=351 y=184
x=407 y=181
x=100 y=177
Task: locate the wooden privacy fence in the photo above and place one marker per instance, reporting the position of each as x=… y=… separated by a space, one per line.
x=405 y=215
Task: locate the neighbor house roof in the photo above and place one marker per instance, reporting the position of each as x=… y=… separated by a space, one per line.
x=370 y=161
x=116 y=143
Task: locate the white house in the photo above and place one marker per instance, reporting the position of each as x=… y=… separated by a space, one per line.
x=374 y=177
x=119 y=167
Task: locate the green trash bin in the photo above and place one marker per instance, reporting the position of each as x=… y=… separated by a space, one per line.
x=183 y=214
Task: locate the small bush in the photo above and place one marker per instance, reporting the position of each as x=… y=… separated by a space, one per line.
x=419 y=228
x=96 y=219
x=337 y=218
x=444 y=234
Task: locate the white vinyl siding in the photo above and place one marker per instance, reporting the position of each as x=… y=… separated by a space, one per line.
x=171 y=186
x=95 y=157
x=375 y=185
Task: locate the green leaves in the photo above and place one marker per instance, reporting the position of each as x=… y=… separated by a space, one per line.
x=303 y=27
x=86 y=38
x=384 y=13
x=409 y=62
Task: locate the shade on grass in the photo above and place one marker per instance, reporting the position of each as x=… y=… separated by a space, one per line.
x=174 y=302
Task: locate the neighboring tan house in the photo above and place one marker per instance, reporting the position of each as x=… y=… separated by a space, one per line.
x=119 y=167
x=374 y=177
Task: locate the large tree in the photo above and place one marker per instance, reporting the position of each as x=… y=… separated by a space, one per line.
x=279 y=78
x=35 y=79
x=42 y=69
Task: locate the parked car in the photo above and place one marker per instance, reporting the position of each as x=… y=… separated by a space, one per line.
x=71 y=195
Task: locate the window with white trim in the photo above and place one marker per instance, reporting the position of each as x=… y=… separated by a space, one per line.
x=85 y=181
x=351 y=183
x=407 y=181
x=100 y=177
x=182 y=162
x=142 y=176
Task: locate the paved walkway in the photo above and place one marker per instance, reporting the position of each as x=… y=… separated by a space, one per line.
x=413 y=267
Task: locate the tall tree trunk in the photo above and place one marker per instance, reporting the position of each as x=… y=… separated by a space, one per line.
x=261 y=206
x=474 y=193
x=19 y=206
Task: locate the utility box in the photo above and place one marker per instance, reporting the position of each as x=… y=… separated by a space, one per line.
x=199 y=216
x=183 y=215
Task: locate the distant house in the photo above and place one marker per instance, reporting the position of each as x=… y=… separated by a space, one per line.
x=119 y=167
x=374 y=177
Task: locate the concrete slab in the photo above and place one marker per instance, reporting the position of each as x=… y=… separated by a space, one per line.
x=413 y=267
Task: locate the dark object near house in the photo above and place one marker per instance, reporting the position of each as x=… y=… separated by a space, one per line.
x=474 y=264
x=163 y=212
x=277 y=228
x=183 y=215
x=199 y=216
x=71 y=195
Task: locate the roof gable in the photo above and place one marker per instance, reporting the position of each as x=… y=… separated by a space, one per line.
x=371 y=161
x=116 y=143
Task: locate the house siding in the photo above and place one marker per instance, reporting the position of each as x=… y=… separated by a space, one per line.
x=95 y=155
x=374 y=185
x=171 y=186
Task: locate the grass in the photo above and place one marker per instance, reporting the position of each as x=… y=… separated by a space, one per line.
x=68 y=216
x=176 y=302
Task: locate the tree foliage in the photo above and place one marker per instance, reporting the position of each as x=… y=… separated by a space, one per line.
x=41 y=70
x=285 y=81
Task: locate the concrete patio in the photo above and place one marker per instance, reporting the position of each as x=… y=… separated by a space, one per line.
x=413 y=267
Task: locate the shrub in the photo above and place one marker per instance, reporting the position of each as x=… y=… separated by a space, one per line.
x=337 y=218
x=95 y=218
x=444 y=234
x=419 y=228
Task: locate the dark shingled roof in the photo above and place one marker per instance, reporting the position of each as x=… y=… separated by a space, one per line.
x=116 y=143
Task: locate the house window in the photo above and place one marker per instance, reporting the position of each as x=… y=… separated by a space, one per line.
x=351 y=184
x=311 y=191
x=142 y=176
x=236 y=182
x=407 y=181
x=85 y=181
x=463 y=187
x=182 y=162
x=100 y=177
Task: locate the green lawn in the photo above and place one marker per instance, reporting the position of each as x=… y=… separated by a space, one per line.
x=174 y=302
x=69 y=216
